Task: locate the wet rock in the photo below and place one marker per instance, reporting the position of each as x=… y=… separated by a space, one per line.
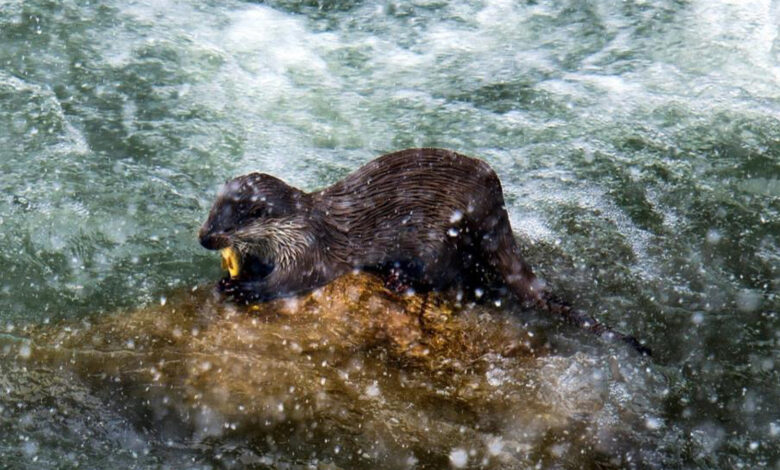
x=350 y=375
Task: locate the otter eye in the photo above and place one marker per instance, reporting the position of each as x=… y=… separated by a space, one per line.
x=258 y=211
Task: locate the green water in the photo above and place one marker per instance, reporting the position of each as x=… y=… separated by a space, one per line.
x=638 y=144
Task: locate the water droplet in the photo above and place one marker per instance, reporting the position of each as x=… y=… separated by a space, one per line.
x=495 y=446
x=713 y=236
x=372 y=390
x=459 y=458
x=748 y=300
x=24 y=351
x=30 y=448
x=652 y=423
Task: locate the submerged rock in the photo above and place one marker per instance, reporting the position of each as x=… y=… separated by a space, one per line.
x=350 y=376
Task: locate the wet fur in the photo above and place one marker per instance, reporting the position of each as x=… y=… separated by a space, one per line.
x=431 y=216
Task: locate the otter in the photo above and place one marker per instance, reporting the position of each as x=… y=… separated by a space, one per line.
x=428 y=219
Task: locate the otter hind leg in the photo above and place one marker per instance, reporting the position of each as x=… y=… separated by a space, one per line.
x=501 y=253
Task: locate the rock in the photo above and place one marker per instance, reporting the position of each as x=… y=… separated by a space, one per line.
x=351 y=375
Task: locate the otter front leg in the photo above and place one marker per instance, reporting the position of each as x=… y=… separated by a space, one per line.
x=244 y=291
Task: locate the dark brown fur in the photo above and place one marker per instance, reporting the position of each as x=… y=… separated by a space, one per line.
x=432 y=217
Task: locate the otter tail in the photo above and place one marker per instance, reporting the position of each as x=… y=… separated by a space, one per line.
x=550 y=303
x=504 y=256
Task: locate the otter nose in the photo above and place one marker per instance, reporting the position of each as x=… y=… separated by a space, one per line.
x=213 y=241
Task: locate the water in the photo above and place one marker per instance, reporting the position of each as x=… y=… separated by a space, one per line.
x=638 y=144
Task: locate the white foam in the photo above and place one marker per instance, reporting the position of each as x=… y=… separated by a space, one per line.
x=275 y=40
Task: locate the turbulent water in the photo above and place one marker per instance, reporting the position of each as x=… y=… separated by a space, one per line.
x=638 y=144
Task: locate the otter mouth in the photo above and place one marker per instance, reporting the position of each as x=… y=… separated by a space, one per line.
x=244 y=266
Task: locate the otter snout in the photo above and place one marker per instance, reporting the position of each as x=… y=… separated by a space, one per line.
x=212 y=240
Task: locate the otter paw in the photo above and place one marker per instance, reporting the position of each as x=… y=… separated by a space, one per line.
x=238 y=291
x=225 y=285
x=397 y=282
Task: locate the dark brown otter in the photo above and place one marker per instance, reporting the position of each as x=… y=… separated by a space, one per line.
x=429 y=218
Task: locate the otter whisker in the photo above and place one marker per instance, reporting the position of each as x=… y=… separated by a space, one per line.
x=283 y=240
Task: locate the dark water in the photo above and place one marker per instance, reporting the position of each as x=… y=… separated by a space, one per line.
x=638 y=143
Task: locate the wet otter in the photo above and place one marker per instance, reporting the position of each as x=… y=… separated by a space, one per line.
x=426 y=218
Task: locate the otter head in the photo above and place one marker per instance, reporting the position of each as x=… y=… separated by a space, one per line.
x=259 y=217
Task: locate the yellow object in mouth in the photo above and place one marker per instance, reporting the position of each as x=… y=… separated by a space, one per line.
x=230 y=261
